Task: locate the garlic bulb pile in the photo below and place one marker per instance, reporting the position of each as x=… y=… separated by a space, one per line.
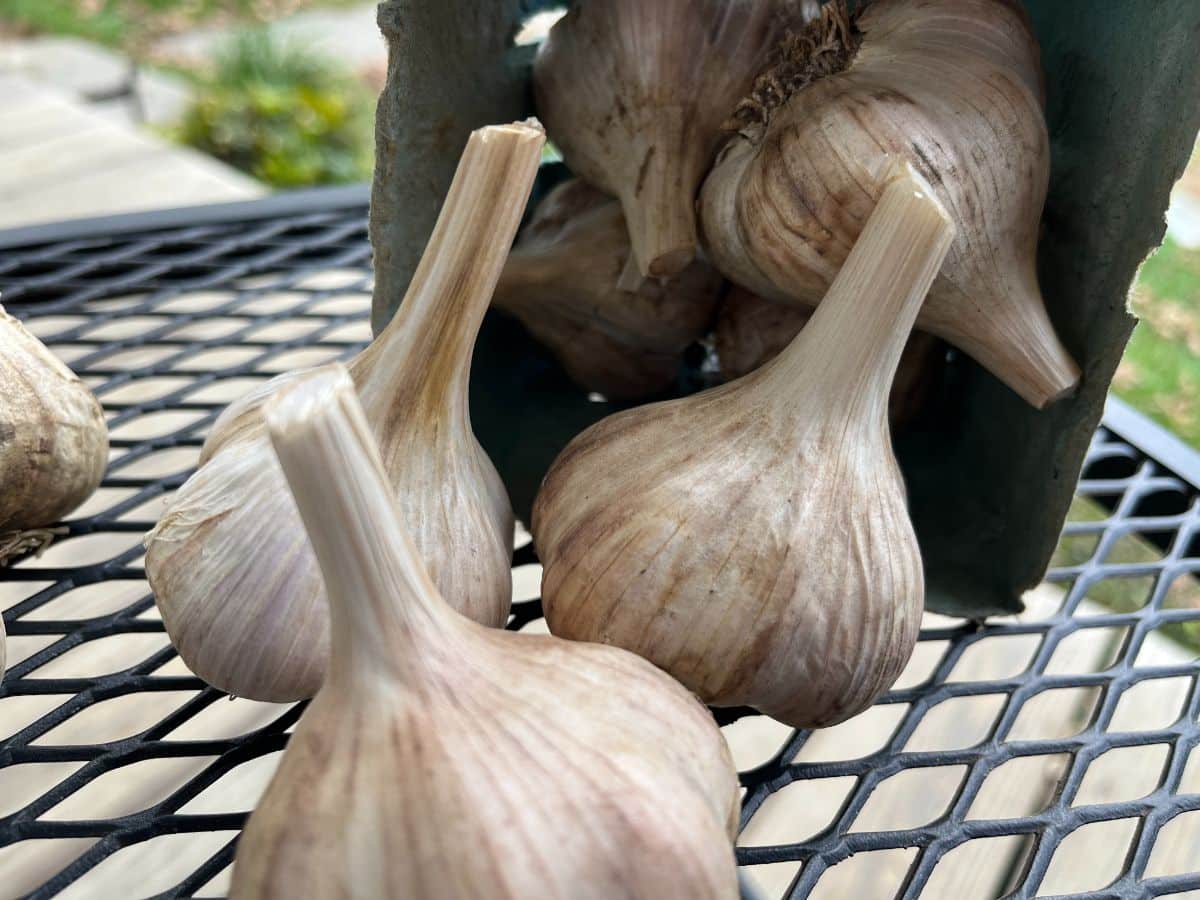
x=561 y=281
x=751 y=331
x=953 y=86
x=634 y=93
x=442 y=759
x=53 y=439
x=232 y=571
x=753 y=540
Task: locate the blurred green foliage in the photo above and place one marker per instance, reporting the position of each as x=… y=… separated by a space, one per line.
x=1160 y=373
x=282 y=114
x=129 y=24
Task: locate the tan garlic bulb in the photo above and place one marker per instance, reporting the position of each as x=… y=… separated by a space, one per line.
x=53 y=439
x=751 y=331
x=634 y=93
x=445 y=760
x=953 y=86
x=561 y=281
x=233 y=574
x=754 y=540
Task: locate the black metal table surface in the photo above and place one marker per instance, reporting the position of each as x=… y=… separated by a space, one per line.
x=121 y=774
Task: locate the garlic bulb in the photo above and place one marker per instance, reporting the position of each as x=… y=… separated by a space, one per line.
x=561 y=281
x=634 y=93
x=53 y=439
x=442 y=759
x=752 y=331
x=233 y=575
x=953 y=86
x=753 y=540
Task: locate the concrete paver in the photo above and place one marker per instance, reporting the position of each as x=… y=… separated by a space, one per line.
x=62 y=160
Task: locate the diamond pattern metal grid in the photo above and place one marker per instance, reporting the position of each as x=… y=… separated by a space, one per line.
x=1049 y=753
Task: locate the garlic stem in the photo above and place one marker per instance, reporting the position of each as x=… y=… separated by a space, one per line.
x=381 y=614
x=631 y=278
x=875 y=298
x=453 y=285
x=659 y=205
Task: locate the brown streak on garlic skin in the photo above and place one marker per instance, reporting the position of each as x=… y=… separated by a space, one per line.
x=238 y=588
x=956 y=87
x=753 y=540
x=630 y=93
x=53 y=437
x=751 y=331
x=561 y=280
x=569 y=771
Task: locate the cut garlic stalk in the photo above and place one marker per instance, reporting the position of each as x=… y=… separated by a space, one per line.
x=953 y=86
x=561 y=281
x=753 y=540
x=445 y=760
x=752 y=331
x=232 y=571
x=634 y=93
x=53 y=440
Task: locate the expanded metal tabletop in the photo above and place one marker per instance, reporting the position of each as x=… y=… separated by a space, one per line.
x=1044 y=754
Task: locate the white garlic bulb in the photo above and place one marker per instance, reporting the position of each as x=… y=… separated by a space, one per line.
x=955 y=88
x=562 y=280
x=441 y=759
x=754 y=540
x=634 y=93
x=53 y=439
x=233 y=574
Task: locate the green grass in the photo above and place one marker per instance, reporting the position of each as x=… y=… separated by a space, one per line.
x=1160 y=374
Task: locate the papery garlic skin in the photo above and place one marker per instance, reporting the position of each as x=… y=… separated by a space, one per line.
x=562 y=281
x=234 y=578
x=751 y=331
x=754 y=540
x=53 y=436
x=953 y=86
x=634 y=92
x=441 y=759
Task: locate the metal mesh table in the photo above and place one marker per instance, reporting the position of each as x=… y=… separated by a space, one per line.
x=1049 y=753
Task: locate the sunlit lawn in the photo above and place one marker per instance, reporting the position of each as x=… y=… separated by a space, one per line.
x=1160 y=374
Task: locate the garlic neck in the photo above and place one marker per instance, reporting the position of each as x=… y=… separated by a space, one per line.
x=659 y=202
x=846 y=357
x=387 y=620
x=426 y=349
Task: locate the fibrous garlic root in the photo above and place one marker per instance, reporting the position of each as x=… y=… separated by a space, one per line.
x=441 y=759
x=233 y=574
x=561 y=281
x=953 y=86
x=752 y=331
x=634 y=93
x=53 y=440
x=754 y=540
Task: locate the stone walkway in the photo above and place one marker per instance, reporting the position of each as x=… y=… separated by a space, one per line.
x=60 y=159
